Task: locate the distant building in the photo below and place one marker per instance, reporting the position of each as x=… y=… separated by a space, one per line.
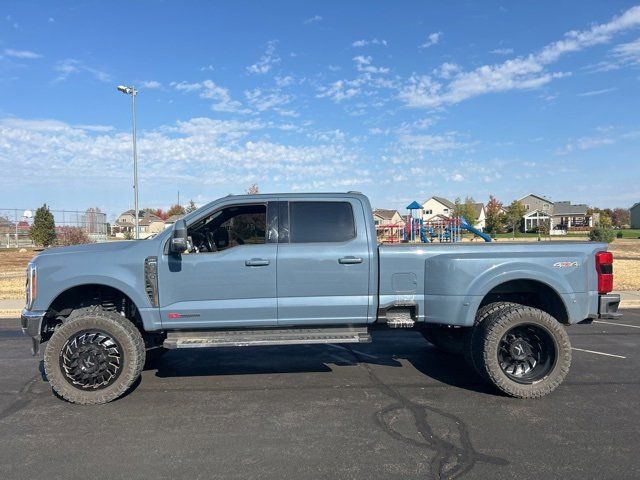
x=634 y=215
x=435 y=206
x=562 y=215
x=148 y=224
x=389 y=224
x=481 y=215
x=171 y=220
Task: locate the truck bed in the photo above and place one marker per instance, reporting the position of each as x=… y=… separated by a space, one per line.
x=446 y=283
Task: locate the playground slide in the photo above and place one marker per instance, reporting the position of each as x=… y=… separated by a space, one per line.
x=464 y=224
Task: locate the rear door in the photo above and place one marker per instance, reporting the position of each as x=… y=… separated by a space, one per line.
x=323 y=263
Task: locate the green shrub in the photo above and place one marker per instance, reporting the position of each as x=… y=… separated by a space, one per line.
x=43 y=230
x=619 y=234
x=599 y=234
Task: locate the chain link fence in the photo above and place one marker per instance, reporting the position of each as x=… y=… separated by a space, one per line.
x=16 y=222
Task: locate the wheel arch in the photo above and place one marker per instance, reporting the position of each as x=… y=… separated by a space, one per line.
x=530 y=292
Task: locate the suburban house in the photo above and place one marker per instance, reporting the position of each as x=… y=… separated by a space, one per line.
x=389 y=225
x=148 y=224
x=563 y=215
x=481 y=215
x=634 y=215
x=435 y=206
x=171 y=220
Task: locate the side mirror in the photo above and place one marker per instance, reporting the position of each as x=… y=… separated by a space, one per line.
x=178 y=242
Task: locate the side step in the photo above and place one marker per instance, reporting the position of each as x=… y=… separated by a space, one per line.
x=267 y=336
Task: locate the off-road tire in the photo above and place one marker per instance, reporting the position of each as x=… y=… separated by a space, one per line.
x=116 y=326
x=451 y=340
x=474 y=358
x=491 y=331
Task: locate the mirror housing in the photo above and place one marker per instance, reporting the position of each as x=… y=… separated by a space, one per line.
x=178 y=243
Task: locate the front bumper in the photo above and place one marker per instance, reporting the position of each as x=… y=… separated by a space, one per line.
x=608 y=306
x=31 y=323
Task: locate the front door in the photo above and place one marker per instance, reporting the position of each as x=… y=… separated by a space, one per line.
x=323 y=263
x=227 y=277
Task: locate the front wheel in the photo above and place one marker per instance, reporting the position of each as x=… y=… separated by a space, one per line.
x=523 y=351
x=94 y=357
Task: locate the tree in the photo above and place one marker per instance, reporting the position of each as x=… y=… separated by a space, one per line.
x=43 y=230
x=515 y=212
x=161 y=214
x=72 y=236
x=253 y=189
x=620 y=217
x=494 y=216
x=466 y=209
x=192 y=207
x=175 y=210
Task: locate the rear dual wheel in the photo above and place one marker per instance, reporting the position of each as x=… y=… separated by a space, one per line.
x=523 y=351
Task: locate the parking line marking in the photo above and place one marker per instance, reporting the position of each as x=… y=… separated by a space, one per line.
x=598 y=353
x=620 y=324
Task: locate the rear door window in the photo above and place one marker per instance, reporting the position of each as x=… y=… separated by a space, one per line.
x=321 y=222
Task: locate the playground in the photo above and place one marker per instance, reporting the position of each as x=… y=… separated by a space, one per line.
x=415 y=229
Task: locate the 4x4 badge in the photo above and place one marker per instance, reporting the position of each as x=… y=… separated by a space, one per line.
x=565 y=264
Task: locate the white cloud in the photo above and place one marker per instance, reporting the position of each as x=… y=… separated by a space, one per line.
x=431 y=143
x=627 y=53
x=502 y=51
x=432 y=39
x=207 y=68
x=605 y=136
x=364 y=43
x=263 y=100
x=592 y=93
x=364 y=64
x=208 y=89
x=198 y=152
x=70 y=66
x=151 y=84
x=314 y=19
x=456 y=177
x=22 y=54
x=267 y=60
x=341 y=90
x=526 y=72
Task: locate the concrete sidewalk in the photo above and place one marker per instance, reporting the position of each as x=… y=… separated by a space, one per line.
x=11 y=308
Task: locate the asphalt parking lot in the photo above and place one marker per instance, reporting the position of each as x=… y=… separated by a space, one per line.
x=395 y=408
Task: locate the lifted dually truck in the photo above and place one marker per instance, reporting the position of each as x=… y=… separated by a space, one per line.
x=285 y=269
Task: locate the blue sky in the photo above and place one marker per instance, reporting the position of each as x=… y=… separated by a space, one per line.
x=399 y=100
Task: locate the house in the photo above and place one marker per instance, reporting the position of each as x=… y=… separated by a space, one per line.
x=481 y=215
x=148 y=224
x=171 y=220
x=435 y=206
x=562 y=215
x=634 y=215
x=567 y=216
x=389 y=224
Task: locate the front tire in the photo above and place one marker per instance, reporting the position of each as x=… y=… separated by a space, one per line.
x=94 y=357
x=523 y=351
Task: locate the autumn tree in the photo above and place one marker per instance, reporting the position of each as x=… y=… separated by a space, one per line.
x=494 y=216
x=253 y=189
x=175 y=210
x=43 y=230
x=620 y=217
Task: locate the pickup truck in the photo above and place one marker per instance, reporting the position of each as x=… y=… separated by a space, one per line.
x=287 y=269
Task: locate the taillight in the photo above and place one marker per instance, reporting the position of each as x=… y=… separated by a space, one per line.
x=604 y=267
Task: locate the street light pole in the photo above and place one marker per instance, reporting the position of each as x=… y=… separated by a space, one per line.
x=133 y=92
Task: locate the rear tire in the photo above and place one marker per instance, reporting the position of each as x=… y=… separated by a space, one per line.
x=94 y=357
x=526 y=352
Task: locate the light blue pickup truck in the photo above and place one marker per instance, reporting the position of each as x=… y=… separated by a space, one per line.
x=286 y=269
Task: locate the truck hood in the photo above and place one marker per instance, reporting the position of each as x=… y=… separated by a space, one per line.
x=105 y=247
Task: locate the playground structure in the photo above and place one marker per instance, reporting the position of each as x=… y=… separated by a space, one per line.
x=438 y=229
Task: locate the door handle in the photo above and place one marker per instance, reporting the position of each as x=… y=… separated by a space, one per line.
x=256 y=262
x=349 y=260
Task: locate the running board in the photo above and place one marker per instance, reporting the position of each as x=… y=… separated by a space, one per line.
x=271 y=336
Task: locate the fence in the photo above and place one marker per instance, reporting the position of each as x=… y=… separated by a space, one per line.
x=16 y=222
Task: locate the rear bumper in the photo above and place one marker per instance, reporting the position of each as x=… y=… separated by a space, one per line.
x=31 y=323
x=608 y=306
